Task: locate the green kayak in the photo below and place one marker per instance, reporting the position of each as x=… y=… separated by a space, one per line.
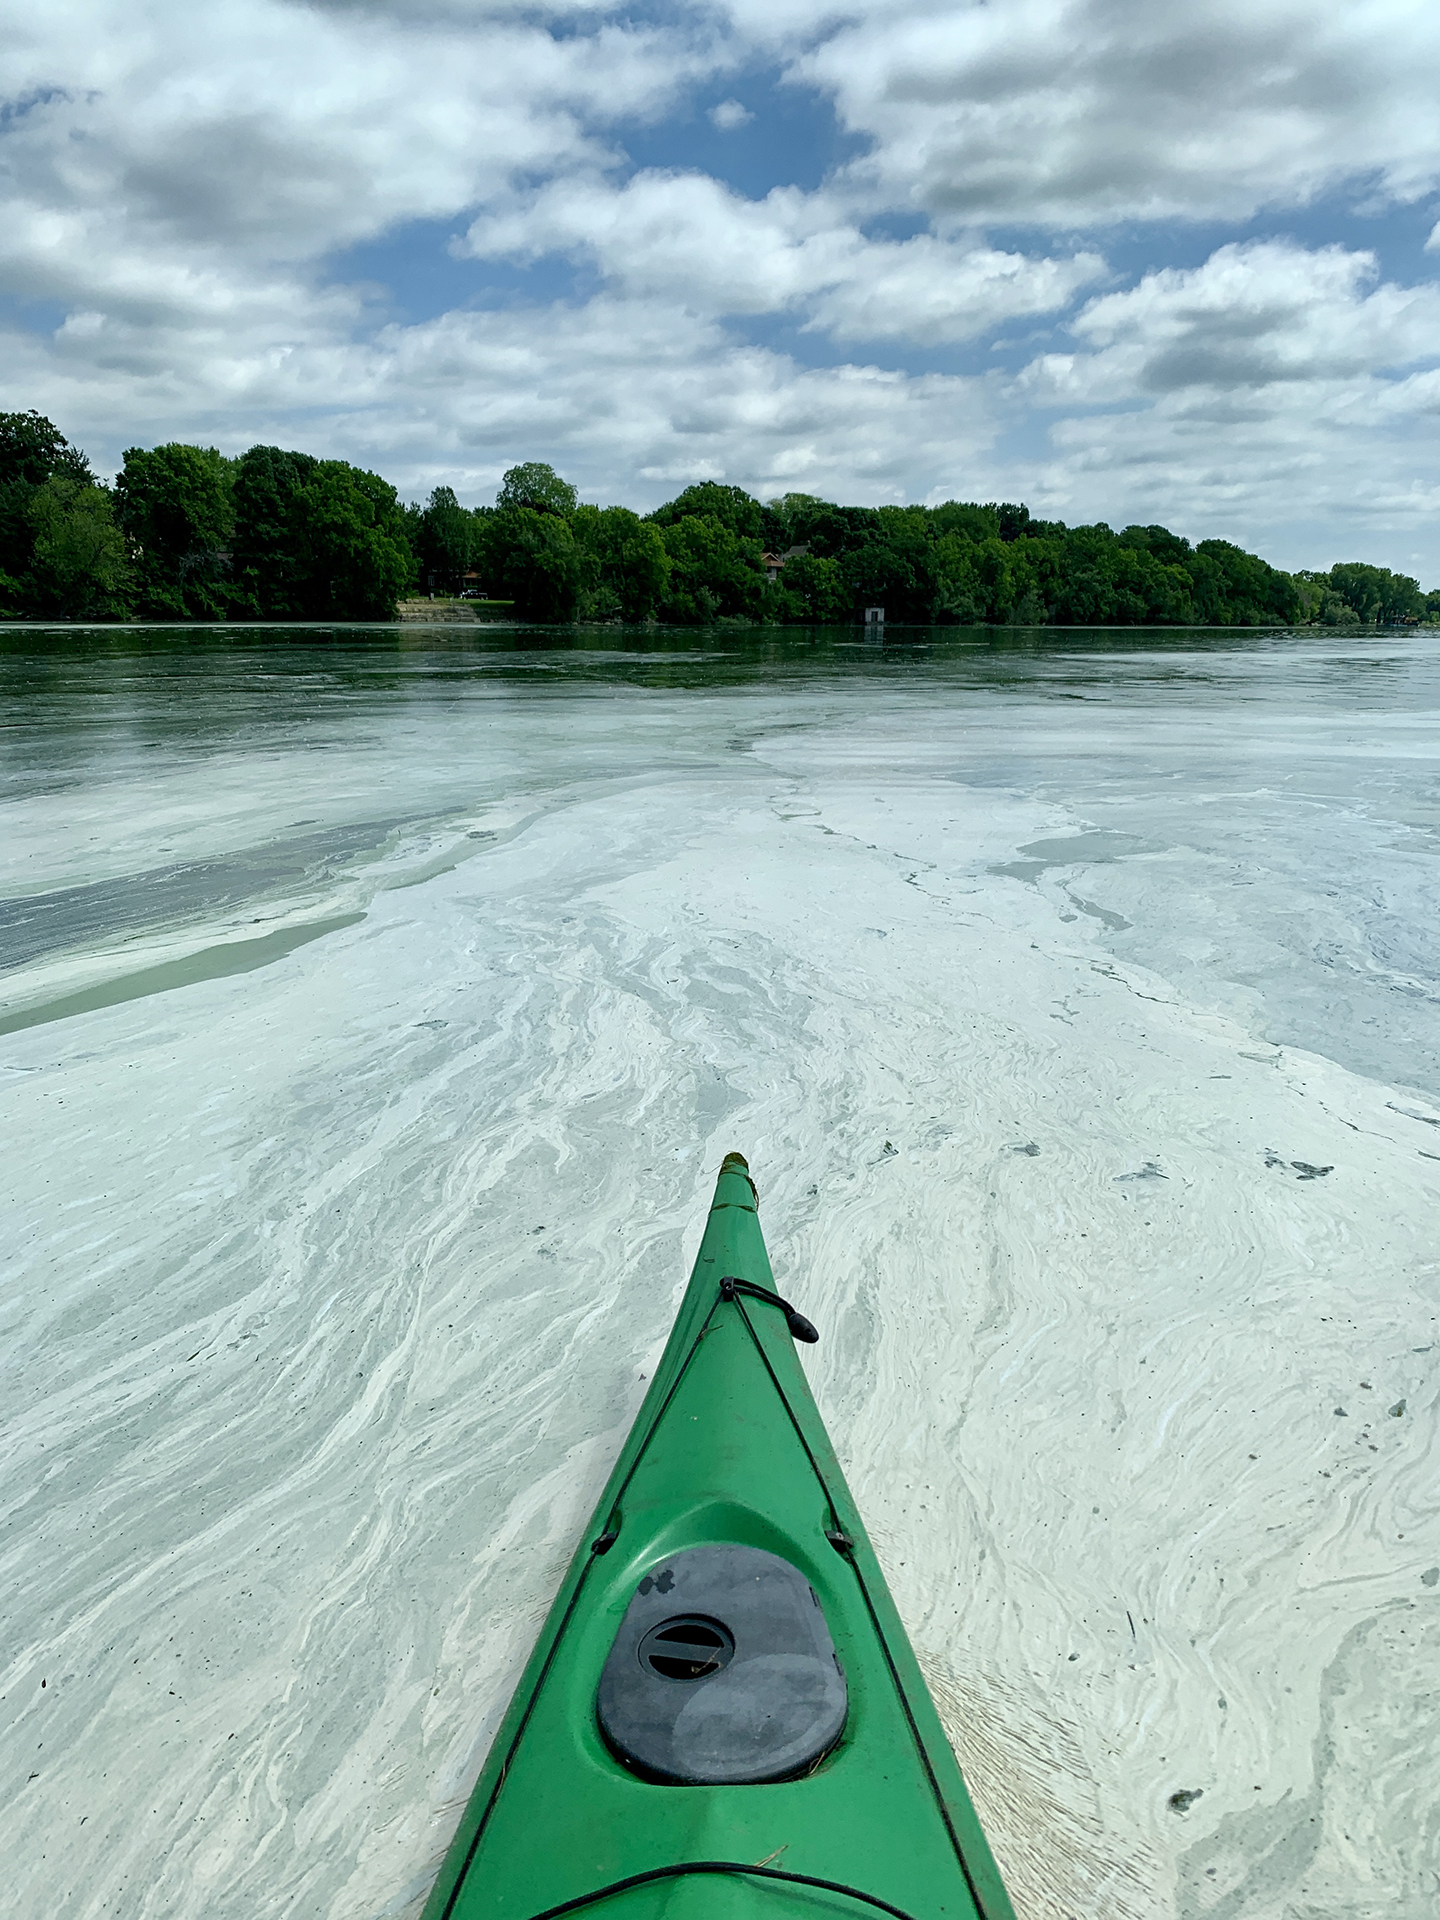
x=723 y=1718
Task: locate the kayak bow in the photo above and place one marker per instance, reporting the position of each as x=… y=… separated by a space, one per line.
x=723 y=1715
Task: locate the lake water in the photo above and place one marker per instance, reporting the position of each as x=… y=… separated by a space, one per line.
x=376 y=1007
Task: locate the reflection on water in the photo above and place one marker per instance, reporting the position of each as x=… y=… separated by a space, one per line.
x=1281 y=791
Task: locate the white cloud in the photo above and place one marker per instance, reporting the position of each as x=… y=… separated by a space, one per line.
x=276 y=132
x=933 y=291
x=177 y=179
x=1258 y=321
x=685 y=237
x=1241 y=399
x=729 y=115
x=630 y=399
x=1270 y=386
x=1071 y=112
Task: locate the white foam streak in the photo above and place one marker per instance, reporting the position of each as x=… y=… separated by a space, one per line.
x=332 y=1288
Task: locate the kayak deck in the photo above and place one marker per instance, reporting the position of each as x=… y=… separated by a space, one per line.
x=728 y=1451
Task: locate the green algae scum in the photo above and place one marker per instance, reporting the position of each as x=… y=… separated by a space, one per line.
x=723 y=1715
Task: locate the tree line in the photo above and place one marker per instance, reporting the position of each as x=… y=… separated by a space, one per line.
x=188 y=533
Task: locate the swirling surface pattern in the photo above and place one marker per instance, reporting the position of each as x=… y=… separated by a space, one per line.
x=370 y=1043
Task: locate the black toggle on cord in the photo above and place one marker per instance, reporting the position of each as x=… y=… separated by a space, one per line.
x=800 y=1327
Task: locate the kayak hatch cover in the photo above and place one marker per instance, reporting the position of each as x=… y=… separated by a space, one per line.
x=723 y=1718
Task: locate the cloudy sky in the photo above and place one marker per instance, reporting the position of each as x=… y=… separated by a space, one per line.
x=1120 y=259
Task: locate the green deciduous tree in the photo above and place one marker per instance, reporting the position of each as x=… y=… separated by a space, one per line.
x=537 y=486
x=965 y=519
x=445 y=542
x=281 y=535
x=738 y=512
x=174 y=505
x=825 y=529
x=80 y=566
x=626 y=568
x=878 y=574
x=32 y=451
x=533 y=558
x=1099 y=580
x=33 y=448
x=267 y=569
x=813 y=590
x=715 y=574
x=1375 y=595
x=974 y=580
x=1232 y=588
x=1167 y=547
x=353 y=554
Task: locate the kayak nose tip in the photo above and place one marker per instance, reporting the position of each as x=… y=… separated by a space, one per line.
x=732 y=1168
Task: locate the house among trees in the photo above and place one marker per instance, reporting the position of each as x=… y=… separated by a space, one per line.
x=775 y=563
